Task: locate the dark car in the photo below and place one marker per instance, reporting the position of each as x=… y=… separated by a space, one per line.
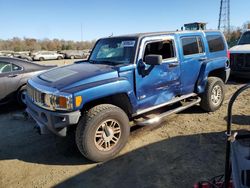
x=14 y=74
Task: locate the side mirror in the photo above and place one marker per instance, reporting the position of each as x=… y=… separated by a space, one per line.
x=153 y=59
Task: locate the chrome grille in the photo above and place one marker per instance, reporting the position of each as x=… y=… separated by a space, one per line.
x=35 y=95
x=46 y=97
x=239 y=61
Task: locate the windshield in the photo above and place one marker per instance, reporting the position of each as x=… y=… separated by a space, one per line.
x=245 y=39
x=114 y=51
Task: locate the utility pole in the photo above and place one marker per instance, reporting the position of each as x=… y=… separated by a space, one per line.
x=224 y=16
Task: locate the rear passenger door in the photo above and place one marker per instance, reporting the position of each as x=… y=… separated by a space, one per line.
x=193 y=55
x=53 y=55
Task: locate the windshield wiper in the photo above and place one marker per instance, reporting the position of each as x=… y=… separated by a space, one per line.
x=92 y=61
x=105 y=62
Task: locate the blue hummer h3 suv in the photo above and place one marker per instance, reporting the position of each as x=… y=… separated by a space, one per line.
x=127 y=79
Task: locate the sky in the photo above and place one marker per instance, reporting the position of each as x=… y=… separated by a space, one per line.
x=92 y=19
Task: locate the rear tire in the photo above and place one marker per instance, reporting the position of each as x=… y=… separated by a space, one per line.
x=59 y=58
x=41 y=59
x=102 y=132
x=214 y=94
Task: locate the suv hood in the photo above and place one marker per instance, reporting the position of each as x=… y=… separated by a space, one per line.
x=74 y=75
x=244 y=48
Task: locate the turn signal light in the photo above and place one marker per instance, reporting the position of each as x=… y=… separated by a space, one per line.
x=78 y=101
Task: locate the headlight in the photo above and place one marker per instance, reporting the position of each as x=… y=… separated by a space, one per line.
x=63 y=102
x=58 y=102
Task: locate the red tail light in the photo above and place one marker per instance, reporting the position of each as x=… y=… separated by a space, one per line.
x=228 y=54
x=209 y=185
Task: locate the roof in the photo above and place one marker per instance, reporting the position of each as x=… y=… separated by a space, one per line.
x=12 y=59
x=29 y=65
x=140 y=35
x=195 y=23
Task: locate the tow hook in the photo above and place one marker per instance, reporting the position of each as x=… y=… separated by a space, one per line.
x=38 y=129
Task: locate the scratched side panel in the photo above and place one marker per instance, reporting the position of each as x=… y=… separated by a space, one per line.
x=156 y=84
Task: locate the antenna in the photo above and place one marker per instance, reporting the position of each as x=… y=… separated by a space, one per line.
x=224 y=16
x=81 y=32
x=111 y=35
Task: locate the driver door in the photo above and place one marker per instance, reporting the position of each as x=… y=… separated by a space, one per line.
x=5 y=69
x=9 y=78
x=157 y=84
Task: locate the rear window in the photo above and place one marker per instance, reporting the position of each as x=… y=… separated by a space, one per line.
x=192 y=45
x=245 y=39
x=215 y=43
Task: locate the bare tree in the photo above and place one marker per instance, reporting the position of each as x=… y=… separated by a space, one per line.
x=31 y=44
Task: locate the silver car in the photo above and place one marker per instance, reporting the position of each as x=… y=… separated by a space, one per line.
x=41 y=56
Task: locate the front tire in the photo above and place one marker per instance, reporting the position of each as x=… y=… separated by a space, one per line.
x=102 y=132
x=21 y=96
x=214 y=94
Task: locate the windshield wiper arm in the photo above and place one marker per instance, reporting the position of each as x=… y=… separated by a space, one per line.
x=105 y=62
x=108 y=62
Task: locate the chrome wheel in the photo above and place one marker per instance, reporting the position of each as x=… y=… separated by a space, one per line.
x=107 y=135
x=216 y=96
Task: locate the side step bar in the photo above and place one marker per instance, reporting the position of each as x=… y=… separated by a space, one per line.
x=174 y=100
x=158 y=119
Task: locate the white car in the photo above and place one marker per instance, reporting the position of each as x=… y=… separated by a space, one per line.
x=240 y=57
x=41 y=56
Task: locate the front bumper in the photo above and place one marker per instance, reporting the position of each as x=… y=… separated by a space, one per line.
x=241 y=74
x=48 y=121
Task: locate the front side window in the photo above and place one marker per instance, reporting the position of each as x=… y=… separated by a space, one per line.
x=215 y=43
x=114 y=51
x=245 y=39
x=5 y=67
x=192 y=45
x=163 y=48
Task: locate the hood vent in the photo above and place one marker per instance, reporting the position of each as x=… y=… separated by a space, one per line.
x=57 y=74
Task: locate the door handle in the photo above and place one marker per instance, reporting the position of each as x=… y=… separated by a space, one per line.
x=171 y=65
x=203 y=59
x=12 y=75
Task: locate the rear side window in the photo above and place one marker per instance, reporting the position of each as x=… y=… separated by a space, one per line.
x=192 y=45
x=215 y=43
x=16 y=68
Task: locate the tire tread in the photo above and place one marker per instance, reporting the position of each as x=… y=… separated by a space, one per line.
x=84 y=123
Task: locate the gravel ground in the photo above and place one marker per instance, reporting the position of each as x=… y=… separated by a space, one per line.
x=187 y=147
